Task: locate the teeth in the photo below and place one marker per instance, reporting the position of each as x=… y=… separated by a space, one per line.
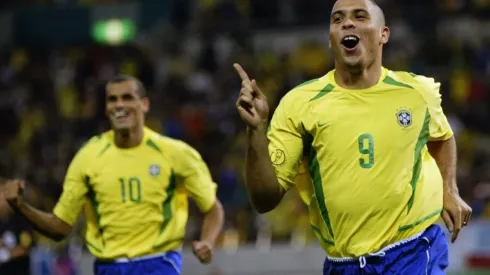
x=120 y=114
x=350 y=38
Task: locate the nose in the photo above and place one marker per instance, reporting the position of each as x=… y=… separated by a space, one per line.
x=119 y=103
x=348 y=24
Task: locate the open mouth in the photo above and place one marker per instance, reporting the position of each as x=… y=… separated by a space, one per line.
x=350 y=41
x=119 y=115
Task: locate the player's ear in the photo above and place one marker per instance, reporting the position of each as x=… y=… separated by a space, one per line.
x=385 y=35
x=146 y=104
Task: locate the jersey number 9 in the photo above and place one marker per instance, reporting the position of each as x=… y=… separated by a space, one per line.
x=131 y=186
x=366 y=147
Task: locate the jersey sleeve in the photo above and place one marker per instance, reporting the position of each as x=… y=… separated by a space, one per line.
x=194 y=174
x=74 y=190
x=285 y=145
x=439 y=127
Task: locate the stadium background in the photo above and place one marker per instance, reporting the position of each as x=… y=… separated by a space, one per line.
x=56 y=54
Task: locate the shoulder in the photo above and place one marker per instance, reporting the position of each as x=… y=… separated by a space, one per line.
x=299 y=96
x=167 y=144
x=95 y=144
x=420 y=83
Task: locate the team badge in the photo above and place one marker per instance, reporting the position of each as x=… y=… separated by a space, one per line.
x=278 y=157
x=154 y=170
x=404 y=118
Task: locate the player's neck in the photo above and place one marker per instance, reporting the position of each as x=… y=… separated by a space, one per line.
x=129 y=138
x=358 y=79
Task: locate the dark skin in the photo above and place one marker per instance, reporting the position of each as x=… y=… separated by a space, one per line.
x=456 y=213
x=124 y=97
x=5 y=213
x=126 y=110
x=359 y=68
x=356 y=68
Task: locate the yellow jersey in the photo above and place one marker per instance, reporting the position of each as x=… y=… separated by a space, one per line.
x=134 y=200
x=359 y=158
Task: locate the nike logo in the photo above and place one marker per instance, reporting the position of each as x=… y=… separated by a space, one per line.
x=323 y=124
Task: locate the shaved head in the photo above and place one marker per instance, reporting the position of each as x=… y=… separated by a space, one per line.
x=357 y=34
x=380 y=15
x=376 y=12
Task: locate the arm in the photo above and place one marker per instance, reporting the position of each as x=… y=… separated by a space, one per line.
x=445 y=154
x=213 y=223
x=442 y=147
x=273 y=159
x=57 y=224
x=272 y=156
x=46 y=223
x=194 y=174
x=264 y=189
x=456 y=212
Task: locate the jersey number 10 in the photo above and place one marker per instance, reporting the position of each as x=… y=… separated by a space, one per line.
x=366 y=147
x=130 y=188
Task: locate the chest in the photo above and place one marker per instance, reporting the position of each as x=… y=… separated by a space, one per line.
x=346 y=121
x=129 y=177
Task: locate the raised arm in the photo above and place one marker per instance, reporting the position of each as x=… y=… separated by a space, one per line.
x=273 y=153
x=58 y=224
x=263 y=188
x=46 y=223
x=22 y=230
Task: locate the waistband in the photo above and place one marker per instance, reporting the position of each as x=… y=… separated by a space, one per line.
x=380 y=253
x=137 y=259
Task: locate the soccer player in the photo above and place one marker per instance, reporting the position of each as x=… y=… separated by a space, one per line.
x=375 y=146
x=133 y=185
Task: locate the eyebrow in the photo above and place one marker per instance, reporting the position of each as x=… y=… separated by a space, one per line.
x=342 y=12
x=338 y=12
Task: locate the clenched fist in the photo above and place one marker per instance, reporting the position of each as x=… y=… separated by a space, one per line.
x=203 y=251
x=252 y=104
x=13 y=191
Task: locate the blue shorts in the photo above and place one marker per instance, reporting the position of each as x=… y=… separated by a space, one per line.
x=425 y=254
x=169 y=263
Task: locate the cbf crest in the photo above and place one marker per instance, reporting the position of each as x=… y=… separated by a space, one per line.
x=404 y=118
x=154 y=170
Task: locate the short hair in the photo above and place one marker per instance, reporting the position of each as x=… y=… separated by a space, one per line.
x=381 y=13
x=123 y=78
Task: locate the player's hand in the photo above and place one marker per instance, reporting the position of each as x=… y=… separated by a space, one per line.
x=203 y=251
x=252 y=104
x=456 y=213
x=13 y=191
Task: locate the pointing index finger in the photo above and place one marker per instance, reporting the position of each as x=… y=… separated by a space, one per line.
x=243 y=75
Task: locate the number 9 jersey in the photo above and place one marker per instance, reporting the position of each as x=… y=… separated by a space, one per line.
x=134 y=200
x=359 y=158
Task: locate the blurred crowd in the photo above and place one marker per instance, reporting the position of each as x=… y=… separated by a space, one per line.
x=53 y=99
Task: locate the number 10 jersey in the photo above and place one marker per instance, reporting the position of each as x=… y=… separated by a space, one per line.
x=134 y=200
